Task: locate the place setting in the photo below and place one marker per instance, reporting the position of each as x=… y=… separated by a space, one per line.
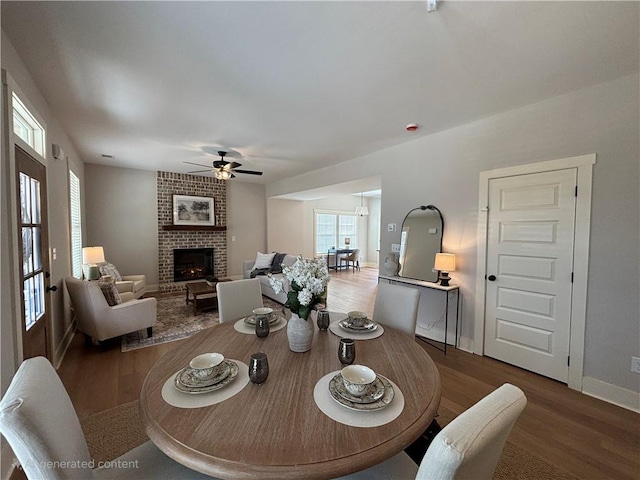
x=357 y=395
x=262 y=321
x=357 y=326
x=209 y=378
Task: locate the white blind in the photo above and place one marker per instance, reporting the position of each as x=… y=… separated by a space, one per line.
x=76 y=225
x=333 y=228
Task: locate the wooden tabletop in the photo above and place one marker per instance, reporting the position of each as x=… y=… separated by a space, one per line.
x=275 y=430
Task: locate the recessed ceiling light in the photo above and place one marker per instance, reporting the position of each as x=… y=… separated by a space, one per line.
x=412 y=127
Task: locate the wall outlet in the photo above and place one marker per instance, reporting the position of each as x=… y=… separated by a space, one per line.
x=391 y=227
x=395 y=247
x=635 y=364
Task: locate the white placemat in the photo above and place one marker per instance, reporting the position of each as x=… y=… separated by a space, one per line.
x=354 y=418
x=342 y=333
x=242 y=327
x=175 y=397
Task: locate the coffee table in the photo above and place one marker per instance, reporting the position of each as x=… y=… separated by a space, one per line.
x=204 y=297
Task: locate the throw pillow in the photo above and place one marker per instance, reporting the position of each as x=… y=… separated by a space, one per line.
x=263 y=260
x=276 y=265
x=110 y=269
x=110 y=293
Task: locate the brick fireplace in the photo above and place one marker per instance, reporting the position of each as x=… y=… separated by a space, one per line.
x=172 y=237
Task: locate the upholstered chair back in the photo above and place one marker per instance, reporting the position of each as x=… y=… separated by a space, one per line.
x=238 y=298
x=38 y=420
x=397 y=307
x=470 y=446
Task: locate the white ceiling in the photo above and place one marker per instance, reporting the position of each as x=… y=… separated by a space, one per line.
x=296 y=86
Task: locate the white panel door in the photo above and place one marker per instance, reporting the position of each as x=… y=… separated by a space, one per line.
x=529 y=268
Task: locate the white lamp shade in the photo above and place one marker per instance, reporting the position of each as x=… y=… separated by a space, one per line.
x=445 y=262
x=93 y=255
x=362 y=211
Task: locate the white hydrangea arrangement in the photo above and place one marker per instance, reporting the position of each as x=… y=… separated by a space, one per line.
x=308 y=278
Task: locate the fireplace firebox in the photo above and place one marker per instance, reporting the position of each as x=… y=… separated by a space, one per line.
x=192 y=263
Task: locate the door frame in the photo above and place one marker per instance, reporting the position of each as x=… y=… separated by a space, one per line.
x=10 y=196
x=584 y=165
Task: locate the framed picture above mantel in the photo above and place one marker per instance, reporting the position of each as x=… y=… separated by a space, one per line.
x=192 y=210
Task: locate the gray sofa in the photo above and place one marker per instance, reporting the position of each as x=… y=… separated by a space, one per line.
x=265 y=285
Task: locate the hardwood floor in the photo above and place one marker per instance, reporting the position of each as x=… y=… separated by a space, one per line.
x=588 y=438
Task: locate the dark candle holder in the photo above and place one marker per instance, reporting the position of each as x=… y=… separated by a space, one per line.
x=262 y=326
x=258 y=368
x=347 y=351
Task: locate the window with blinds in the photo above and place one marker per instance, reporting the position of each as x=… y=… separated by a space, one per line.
x=76 y=224
x=332 y=228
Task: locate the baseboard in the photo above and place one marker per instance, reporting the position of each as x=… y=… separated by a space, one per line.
x=64 y=345
x=466 y=344
x=611 y=393
x=7 y=461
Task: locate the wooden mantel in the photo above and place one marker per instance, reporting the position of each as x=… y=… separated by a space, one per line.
x=201 y=228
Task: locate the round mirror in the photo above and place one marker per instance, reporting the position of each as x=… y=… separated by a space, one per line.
x=421 y=239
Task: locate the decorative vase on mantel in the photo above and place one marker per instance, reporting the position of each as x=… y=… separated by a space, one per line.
x=299 y=333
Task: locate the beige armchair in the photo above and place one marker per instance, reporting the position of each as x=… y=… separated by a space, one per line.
x=136 y=284
x=96 y=319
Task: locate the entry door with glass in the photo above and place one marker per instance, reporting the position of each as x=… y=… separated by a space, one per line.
x=34 y=271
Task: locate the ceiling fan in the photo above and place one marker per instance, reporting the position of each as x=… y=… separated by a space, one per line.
x=224 y=170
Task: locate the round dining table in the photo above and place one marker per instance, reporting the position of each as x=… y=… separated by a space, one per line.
x=275 y=430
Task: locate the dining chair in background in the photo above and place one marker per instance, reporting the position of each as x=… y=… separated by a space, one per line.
x=468 y=448
x=397 y=307
x=238 y=298
x=353 y=258
x=38 y=420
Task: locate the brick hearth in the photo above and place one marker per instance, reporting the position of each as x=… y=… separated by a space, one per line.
x=169 y=184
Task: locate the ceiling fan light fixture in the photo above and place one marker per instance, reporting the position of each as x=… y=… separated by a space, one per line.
x=222 y=174
x=361 y=210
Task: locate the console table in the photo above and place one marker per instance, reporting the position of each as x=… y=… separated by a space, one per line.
x=423 y=287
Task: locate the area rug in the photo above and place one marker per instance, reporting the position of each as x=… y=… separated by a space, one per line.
x=176 y=320
x=114 y=432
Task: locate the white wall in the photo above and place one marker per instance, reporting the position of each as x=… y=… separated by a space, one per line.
x=246 y=222
x=122 y=216
x=373 y=256
x=284 y=226
x=443 y=169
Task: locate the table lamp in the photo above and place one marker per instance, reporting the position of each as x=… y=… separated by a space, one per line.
x=91 y=256
x=445 y=263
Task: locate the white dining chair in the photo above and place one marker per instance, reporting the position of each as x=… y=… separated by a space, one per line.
x=38 y=420
x=238 y=298
x=397 y=307
x=468 y=448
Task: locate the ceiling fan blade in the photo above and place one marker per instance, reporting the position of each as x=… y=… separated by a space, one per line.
x=200 y=171
x=198 y=164
x=248 y=172
x=220 y=163
x=235 y=165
